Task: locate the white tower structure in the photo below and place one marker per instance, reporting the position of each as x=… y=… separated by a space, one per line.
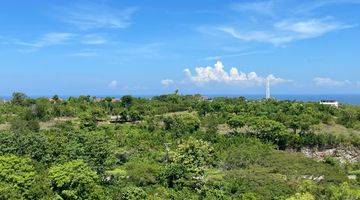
x=268 y=88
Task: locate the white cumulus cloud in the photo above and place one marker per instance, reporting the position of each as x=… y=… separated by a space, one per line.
x=218 y=74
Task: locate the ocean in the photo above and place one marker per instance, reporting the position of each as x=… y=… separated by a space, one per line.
x=344 y=99
x=353 y=99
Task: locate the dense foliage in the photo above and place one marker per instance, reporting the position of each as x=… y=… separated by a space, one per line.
x=173 y=147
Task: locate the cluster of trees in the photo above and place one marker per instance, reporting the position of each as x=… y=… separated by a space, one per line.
x=171 y=147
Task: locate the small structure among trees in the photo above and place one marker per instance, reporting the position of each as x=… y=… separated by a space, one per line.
x=330 y=103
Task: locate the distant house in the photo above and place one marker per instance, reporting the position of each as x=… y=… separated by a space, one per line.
x=117 y=119
x=115 y=100
x=330 y=103
x=97 y=100
x=52 y=100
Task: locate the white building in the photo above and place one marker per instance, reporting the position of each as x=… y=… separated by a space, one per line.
x=330 y=103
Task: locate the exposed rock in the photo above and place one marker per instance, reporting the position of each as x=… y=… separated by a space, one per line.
x=314 y=178
x=343 y=154
x=352 y=177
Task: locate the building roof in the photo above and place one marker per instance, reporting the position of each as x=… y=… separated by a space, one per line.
x=328 y=101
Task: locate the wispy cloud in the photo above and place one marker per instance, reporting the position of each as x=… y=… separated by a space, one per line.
x=48 y=39
x=85 y=53
x=167 y=82
x=313 y=5
x=258 y=7
x=113 y=84
x=357 y=83
x=217 y=74
x=92 y=16
x=288 y=30
x=280 y=22
x=257 y=36
x=311 y=28
x=59 y=38
x=218 y=57
x=93 y=39
x=328 y=82
x=277 y=8
x=3 y=41
x=152 y=50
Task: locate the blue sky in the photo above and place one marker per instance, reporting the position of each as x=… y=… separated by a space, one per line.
x=153 y=47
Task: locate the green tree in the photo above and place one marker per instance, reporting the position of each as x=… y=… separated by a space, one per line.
x=342 y=191
x=237 y=121
x=194 y=156
x=304 y=196
x=18 y=98
x=88 y=122
x=127 y=100
x=181 y=124
x=19 y=125
x=37 y=111
x=56 y=98
x=203 y=107
x=98 y=149
x=270 y=130
x=133 y=193
x=349 y=117
x=246 y=154
x=75 y=180
x=18 y=176
x=2 y=119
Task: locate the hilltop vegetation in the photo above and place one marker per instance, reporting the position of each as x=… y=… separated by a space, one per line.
x=174 y=147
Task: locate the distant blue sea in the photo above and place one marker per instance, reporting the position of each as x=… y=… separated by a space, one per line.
x=342 y=98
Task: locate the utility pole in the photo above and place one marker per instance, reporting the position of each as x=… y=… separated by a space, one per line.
x=268 y=88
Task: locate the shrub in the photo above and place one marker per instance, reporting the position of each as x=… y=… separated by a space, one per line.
x=18 y=177
x=246 y=154
x=88 y=122
x=331 y=161
x=237 y=121
x=133 y=193
x=2 y=119
x=19 y=125
x=181 y=124
x=74 y=180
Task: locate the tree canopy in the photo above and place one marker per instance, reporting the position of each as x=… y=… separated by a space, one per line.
x=177 y=147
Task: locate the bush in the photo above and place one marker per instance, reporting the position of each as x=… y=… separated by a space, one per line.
x=19 y=125
x=142 y=173
x=257 y=183
x=304 y=196
x=188 y=164
x=133 y=193
x=247 y=154
x=2 y=119
x=331 y=161
x=74 y=180
x=88 y=122
x=181 y=124
x=18 y=177
x=237 y=122
x=271 y=131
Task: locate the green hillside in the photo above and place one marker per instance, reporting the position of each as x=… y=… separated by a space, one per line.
x=175 y=147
